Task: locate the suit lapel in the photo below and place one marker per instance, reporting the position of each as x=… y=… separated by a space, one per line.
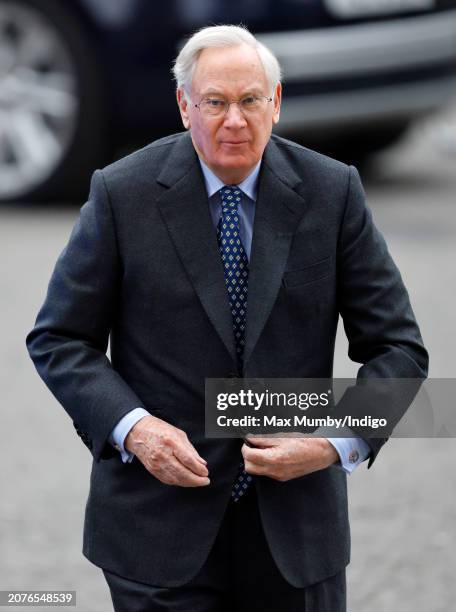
x=185 y=211
x=279 y=209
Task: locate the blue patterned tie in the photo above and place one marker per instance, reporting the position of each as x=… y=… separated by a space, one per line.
x=236 y=269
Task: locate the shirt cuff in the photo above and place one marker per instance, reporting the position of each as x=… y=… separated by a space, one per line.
x=352 y=451
x=121 y=430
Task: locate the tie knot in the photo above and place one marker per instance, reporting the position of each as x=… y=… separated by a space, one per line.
x=231 y=197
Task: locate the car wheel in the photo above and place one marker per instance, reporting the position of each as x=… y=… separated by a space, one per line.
x=52 y=128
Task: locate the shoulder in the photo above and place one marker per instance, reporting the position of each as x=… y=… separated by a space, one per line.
x=143 y=163
x=323 y=183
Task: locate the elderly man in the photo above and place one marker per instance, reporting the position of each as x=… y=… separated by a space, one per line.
x=220 y=252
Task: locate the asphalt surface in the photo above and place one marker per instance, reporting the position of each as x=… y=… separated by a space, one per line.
x=403 y=510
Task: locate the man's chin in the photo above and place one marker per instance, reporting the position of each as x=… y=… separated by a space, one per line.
x=236 y=160
x=234 y=170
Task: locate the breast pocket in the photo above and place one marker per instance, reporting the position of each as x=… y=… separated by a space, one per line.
x=308 y=274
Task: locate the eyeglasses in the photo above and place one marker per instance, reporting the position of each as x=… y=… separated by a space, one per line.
x=214 y=106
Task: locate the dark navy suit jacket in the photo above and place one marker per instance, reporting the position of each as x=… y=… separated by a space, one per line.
x=143 y=267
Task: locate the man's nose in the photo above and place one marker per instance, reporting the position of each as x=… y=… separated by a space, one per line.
x=234 y=116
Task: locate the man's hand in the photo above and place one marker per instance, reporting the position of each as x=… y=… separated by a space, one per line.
x=166 y=452
x=286 y=458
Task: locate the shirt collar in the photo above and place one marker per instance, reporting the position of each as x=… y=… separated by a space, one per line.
x=247 y=186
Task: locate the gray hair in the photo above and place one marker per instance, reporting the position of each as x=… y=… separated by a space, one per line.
x=222 y=36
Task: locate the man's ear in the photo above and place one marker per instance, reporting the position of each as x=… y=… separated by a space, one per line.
x=183 y=107
x=276 y=101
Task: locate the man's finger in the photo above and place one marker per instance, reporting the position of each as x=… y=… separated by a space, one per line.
x=255 y=469
x=192 y=449
x=175 y=473
x=256 y=455
x=192 y=480
x=262 y=442
x=191 y=461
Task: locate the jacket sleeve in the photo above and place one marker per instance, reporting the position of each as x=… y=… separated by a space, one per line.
x=374 y=304
x=69 y=341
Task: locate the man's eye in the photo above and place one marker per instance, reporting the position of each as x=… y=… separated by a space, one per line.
x=215 y=103
x=249 y=101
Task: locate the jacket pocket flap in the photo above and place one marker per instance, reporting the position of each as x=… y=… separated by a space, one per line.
x=313 y=272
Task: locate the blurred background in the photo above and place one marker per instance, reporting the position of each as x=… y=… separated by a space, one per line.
x=372 y=82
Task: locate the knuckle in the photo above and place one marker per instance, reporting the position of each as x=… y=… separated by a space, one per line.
x=168 y=441
x=156 y=456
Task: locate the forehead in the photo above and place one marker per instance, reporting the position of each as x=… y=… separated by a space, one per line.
x=229 y=69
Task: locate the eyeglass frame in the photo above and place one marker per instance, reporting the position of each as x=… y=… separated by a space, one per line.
x=228 y=103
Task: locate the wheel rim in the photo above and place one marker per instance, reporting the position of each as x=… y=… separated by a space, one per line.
x=38 y=99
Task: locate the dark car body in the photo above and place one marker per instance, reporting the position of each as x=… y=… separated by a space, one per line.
x=138 y=40
x=356 y=72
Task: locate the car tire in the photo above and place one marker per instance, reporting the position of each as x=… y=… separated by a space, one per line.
x=51 y=103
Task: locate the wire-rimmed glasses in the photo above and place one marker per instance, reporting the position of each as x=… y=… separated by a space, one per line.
x=216 y=106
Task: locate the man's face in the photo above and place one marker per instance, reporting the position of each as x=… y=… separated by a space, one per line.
x=233 y=143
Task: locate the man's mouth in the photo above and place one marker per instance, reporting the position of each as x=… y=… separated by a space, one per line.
x=234 y=143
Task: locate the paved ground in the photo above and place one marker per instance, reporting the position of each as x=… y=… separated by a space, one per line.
x=402 y=510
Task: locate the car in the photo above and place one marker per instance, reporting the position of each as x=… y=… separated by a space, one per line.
x=83 y=81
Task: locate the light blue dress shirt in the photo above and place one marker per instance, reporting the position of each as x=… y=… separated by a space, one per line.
x=352 y=450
